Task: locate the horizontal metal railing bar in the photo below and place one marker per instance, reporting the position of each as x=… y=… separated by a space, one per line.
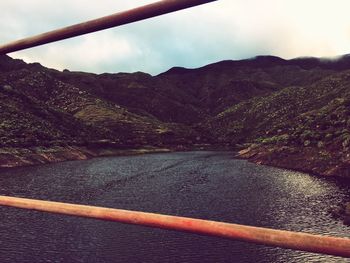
x=279 y=238
x=117 y=19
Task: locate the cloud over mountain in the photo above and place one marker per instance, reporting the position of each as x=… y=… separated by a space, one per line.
x=226 y=29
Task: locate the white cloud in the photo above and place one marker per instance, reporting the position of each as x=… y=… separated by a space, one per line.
x=226 y=29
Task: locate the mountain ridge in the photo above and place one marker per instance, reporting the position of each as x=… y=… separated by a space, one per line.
x=271 y=106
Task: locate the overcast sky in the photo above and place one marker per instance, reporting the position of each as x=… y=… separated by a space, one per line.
x=226 y=29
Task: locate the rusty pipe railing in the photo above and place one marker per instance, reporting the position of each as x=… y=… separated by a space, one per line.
x=117 y=19
x=299 y=241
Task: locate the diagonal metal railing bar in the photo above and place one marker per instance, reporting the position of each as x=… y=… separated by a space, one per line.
x=279 y=238
x=114 y=20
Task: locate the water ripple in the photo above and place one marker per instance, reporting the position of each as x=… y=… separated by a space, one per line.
x=208 y=185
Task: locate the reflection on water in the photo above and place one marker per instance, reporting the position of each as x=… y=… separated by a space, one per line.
x=208 y=185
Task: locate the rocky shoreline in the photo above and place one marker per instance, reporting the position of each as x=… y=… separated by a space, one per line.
x=17 y=157
x=309 y=160
x=11 y=157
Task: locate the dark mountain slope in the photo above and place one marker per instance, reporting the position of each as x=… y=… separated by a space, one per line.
x=140 y=93
x=256 y=116
x=192 y=95
x=103 y=119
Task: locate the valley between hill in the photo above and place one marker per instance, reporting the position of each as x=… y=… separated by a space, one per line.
x=287 y=113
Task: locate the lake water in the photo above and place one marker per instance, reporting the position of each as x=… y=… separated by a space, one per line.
x=207 y=185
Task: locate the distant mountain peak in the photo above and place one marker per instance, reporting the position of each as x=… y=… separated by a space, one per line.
x=176 y=70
